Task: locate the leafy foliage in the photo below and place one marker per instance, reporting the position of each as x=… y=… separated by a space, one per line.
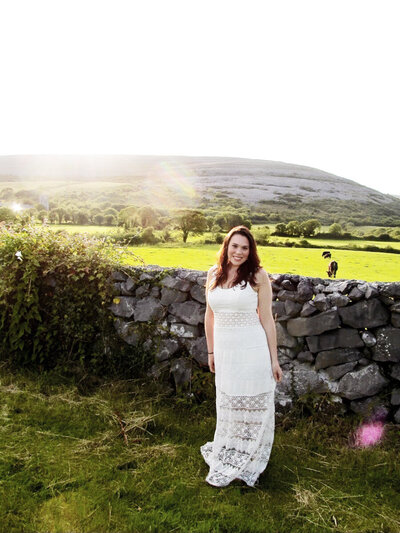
x=54 y=295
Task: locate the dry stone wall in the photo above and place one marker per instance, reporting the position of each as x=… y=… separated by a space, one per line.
x=340 y=337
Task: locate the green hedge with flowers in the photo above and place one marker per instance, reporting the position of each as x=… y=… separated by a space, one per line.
x=55 y=292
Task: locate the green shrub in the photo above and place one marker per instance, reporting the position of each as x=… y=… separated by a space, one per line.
x=55 y=292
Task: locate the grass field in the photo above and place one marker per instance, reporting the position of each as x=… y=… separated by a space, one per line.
x=65 y=467
x=368 y=266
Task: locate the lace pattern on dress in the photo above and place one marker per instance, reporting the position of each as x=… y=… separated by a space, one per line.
x=236 y=319
x=247 y=423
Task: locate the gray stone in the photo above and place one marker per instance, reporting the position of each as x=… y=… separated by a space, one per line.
x=118 y=276
x=364 y=382
x=198 y=350
x=292 y=308
x=321 y=303
x=286 y=352
x=283 y=337
x=305 y=379
x=155 y=292
x=308 y=309
x=395 y=308
x=397 y=416
x=313 y=325
x=305 y=357
x=149 y=309
x=189 y=275
x=336 y=357
x=319 y=288
x=286 y=295
x=184 y=330
x=371 y=292
x=176 y=283
x=373 y=407
x=342 y=287
x=365 y=314
x=143 y=290
x=338 y=300
x=395 y=320
x=391 y=289
x=166 y=349
x=368 y=338
x=170 y=296
x=340 y=338
x=395 y=397
x=305 y=291
x=287 y=285
x=201 y=280
x=387 y=348
x=181 y=369
x=198 y=293
x=356 y=294
x=283 y=393
x=159 y=370
x=123 y=306
x=189 y=312
x=127 y=331
x=278 y=308
x=128 y=286
x=337 y=371
x=364 y=361
x=395 y=372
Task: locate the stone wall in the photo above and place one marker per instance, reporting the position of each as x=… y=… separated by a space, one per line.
x=340 y=337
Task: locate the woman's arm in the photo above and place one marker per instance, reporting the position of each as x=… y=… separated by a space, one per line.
x=265 y=314
x=209 y=327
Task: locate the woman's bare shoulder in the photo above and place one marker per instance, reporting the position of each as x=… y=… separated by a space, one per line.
x=261 y=276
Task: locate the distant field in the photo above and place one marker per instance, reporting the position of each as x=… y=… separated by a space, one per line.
x=368 y=266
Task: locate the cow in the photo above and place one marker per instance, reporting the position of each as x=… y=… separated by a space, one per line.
x=332 y=269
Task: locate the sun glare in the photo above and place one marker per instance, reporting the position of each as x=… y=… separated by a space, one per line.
x=17 y=208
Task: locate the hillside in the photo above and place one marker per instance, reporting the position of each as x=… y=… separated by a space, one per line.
x=172 y=181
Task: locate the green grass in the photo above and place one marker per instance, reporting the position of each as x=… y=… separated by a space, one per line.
x=368 y=266
x=64 y=466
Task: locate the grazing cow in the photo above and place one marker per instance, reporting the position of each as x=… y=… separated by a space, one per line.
x=332 y=269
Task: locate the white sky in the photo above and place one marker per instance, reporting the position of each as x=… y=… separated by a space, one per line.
x=311 y=82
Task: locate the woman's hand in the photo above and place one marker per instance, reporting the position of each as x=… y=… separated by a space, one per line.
x=211 y=362
x=277 y=371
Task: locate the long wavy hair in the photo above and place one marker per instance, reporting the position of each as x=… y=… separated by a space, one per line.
x=247 y=270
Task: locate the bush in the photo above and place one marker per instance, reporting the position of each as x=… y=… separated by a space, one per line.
x=54 y=296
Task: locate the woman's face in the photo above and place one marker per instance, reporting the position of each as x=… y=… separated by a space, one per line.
x=238 y=249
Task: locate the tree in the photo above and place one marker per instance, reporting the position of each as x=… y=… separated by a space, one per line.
x=7 y=214
x=293 y=228
x=110 y=220
x=190 y=221
x=128 y=217
x=147 y=216
x=335 y=229
x=309 y=227
x=280 y=229
x=98 y=219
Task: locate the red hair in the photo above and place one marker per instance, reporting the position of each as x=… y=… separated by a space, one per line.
x=247 y=270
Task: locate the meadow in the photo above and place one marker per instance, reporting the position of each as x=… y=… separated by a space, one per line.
x=353 y=264
x=124 y=456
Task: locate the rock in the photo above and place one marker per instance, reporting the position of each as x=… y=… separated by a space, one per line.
x=364 y=361
x=170 y=296
x=342 y=287
x=143 y=290
x=390 y=289
x=308 y=309
x=340 y=338
x=148 y=309
x=155 y=292
x=364 y=382
x=118 y=276
x=372 y=407
x=287 y=285
x=337 y=371
x=292 y=308
x=339 y=356
x=128 y=286
x=316 y=325
x=176 y=283
x=356 y=294
x=181 y=369
x=184 y=330
x=286 y=352
x=286 y=295
x=198 y=350
x=127 y=331
x=305 y=357
x=305 y=291
x=371 y=292
x=365 y=314
x=395 y=373
x=397 y=416
x=395 y=320
x=321 y=303
x=283 y=393
x=123 y=306
x=305 y=379
x=198 y=293
x=201 y=280
x=368 y=338
x=395 y=397
x=189 y=275
x=278 y=308
x=387 y=348
x=166 y=349
x=283 y=337
x=159 y=370
x=189 y=312
x=337 y=299
x=395 y=308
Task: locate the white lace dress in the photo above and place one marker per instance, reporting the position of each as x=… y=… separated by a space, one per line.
x=245 y=389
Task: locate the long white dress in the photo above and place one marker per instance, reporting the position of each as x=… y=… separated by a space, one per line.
x=245 y=389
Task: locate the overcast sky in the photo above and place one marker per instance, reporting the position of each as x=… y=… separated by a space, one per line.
x=309 y=82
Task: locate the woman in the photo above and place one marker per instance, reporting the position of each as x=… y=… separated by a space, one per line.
x=242 y=351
